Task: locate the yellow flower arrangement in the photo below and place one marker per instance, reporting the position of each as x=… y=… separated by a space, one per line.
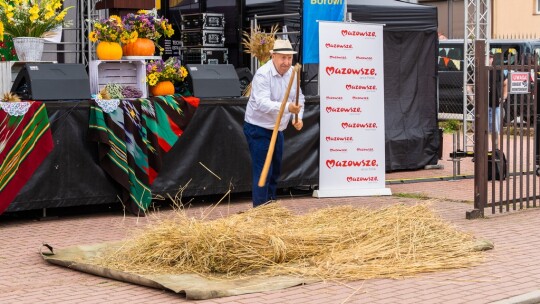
x=31 y=18
x=259 y=43
x=111 y=30
x=159 y=70
x=147 y=24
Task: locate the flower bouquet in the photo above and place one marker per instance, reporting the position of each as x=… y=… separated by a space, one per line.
x=28 y=21
x=160 y=75
x=109 y=30
x=31 y=18
x=149 y=27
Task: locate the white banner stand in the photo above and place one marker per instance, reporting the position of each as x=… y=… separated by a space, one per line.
x=351 y=80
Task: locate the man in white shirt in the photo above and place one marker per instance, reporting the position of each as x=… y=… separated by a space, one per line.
x=268 y=89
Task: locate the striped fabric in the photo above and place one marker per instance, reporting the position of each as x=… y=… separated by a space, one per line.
x=25 y=141
x=133 y=138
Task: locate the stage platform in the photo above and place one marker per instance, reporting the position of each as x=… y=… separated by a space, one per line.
x=210 y=157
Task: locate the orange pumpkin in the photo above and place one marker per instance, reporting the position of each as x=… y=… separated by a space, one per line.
x=141 y=47
x=109 y=51
x=162 y=88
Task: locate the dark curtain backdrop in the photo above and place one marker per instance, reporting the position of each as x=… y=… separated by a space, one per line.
x=71 y=175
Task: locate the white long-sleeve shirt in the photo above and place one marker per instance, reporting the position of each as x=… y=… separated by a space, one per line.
x=268 y=89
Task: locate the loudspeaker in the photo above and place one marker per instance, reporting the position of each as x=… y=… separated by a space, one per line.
x=213 y=80
x=52 y=81
x=245 y=76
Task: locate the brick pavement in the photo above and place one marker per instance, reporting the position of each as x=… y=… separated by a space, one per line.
x=510 y=269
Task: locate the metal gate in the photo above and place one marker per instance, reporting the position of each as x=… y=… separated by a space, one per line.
x=506 y=163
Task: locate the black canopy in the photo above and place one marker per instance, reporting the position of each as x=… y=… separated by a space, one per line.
x=396 y=15
x=410 y=79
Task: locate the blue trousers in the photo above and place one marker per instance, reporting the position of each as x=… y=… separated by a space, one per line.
x=497 y=128
x=258 y=140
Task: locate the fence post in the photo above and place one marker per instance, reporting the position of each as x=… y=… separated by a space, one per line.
x=480 y=133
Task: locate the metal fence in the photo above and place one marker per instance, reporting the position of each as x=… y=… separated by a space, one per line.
x=506 y=155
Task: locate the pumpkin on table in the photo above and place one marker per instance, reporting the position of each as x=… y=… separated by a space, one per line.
x=109 y=51
x=109 y=32
x=141 y=47
x=162 y=88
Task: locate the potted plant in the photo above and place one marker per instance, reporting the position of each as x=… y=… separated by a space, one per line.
x=28 y=22
x=160 y=75
x=149 y=27
x=109 y=33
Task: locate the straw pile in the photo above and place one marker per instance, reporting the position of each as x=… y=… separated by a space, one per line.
x=331 y=243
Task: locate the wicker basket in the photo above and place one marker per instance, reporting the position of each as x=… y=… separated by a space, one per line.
x=28 y=48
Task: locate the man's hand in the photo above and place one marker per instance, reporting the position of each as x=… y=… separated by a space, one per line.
x=297 y=125
x=294 y=109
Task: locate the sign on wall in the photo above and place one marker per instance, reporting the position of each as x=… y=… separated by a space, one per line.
x=519 y=82
x=351 y=79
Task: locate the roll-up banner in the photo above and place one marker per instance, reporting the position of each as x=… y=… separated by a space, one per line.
x=351 y=79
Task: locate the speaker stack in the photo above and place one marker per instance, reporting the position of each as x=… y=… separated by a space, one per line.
x=203 y=39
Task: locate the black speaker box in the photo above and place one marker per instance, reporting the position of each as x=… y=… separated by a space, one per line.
x=52 y=81
x=213 y=80
x=500 y=165
x=245 y=76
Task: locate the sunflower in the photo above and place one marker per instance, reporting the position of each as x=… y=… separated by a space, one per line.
x=92 y=36
x=117 y=19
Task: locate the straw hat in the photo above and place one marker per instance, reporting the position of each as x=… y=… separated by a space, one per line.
x=282 y=47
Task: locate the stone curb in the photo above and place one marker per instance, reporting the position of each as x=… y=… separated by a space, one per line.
x=532 y=297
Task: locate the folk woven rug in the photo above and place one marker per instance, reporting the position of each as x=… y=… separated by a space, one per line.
x=133 y=136
x=25 y=141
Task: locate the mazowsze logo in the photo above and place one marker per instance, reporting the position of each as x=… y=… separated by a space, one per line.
x=338 y=150
x=351 y=179
x=360 y=98
x=361 y=87
x=364 y=58
x=338 y=46
x=364 y=149
x=339 y=138
x=332 y=163
x=330 y=70
x=334 y=97
x=359 y=125
x=346 y=33
x=343 y=110
x=338 y=57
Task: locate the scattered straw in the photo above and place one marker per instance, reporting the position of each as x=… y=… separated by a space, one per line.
x=210 y=171
x=331 y=243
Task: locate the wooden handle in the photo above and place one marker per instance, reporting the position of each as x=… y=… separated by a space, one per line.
x=270 y=153
x=297 y=93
